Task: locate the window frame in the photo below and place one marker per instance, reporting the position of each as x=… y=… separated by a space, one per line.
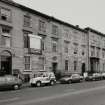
x=26 y=62
x=6 y=36
x=27 y=23
x=8 y=18
x=66 y=65
x=103 y=53
x=42 y=26
x=54 y=46
x=75 y=48
x=75 y=65
x=92 y=49
x=66 y=47
x=26 y=39
x=54 y=29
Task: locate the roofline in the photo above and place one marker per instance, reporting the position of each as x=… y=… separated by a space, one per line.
x=67 y=24
x=42 y=14
x=94 y=31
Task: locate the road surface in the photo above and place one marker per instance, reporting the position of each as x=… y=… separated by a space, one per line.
x=85 y=93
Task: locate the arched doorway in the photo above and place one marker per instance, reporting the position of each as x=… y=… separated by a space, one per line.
x=6 y=62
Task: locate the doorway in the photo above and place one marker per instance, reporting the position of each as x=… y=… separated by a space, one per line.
x=6 y=63
x=94 y=65
x=54 y=67
x=83 y=68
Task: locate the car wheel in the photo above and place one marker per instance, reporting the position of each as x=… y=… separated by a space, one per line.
x=52 y=83
x=38 y=84
x=16 y=87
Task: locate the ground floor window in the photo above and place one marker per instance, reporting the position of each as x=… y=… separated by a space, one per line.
x=66 y=65
x=103 y=66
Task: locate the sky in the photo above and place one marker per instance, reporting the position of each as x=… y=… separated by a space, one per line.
x=85 y=13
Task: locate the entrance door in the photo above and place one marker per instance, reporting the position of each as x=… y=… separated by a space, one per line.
x=6 y=64
x=54 y=67
x=83 y=68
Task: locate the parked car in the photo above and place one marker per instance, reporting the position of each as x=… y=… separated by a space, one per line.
x=97 y=76
x=103 y=75
x=94 y=77
x=89 y=77
x=42 y=78
x=71 y=78
x=10 y=81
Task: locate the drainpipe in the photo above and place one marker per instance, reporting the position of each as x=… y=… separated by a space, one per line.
x=88 y=51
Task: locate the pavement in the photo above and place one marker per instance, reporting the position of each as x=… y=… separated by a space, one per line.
x=25 y=85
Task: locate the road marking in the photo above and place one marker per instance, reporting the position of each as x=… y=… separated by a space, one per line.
x=32 y=101
x=10 y=99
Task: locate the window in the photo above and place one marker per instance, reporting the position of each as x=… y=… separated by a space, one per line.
x=75 y=36
x=66 y=65
x=66 y=46
x=27 y=21
x=42 y=26
x=6 y=41
x=75 y=48
x=98 y=52
x=103 y=53
x=66 y=33
x=75 y=65
x=54 y=46
x=83 y=50
x=27 y=62
x=54 y=29
x=6 y=37
x=5 y=14
x=83 y=37
x=104 y=66
x=26 y=39
x=42 y=44
x=92 y=51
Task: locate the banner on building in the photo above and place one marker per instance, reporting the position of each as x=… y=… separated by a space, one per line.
x=35 y=44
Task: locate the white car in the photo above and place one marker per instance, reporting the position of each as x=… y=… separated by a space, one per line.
x=43 y=77
x=103 y=75
x=97 y=76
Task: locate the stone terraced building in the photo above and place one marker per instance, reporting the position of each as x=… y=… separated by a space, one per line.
x=62 y=46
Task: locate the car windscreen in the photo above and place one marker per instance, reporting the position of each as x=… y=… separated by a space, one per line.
x=38 y=75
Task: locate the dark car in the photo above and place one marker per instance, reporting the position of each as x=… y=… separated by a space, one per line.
x=9 y=81
x=71 y=78
x=89 y=78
